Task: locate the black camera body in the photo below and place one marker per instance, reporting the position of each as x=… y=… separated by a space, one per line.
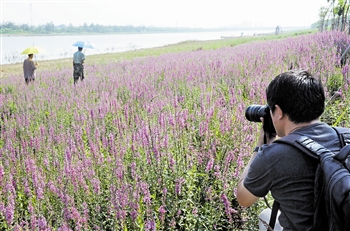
x=253 y=114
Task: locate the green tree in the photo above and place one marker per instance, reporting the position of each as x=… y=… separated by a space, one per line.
x=25 y=27
x=49 y=27
x=323 y=23
x=340 y=10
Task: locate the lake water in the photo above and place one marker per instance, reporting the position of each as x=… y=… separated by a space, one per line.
x=57 y=47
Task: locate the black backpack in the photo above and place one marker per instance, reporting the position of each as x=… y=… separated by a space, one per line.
x=332 y=182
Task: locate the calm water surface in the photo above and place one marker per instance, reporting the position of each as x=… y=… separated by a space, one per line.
x=57 y=47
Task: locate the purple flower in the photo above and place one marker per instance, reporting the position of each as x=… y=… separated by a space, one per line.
x=96 y=184
x=162 y=210
x=146 y=193
x=17 y=228
x=2 y=173
x=150 y=225
x=210 y=164
x=217 y=172
x=228 y=209
x=64 y=227
x=2 y=207
x=178 y=185
x=195 y=212
x=42 y=224
x=345 y=70
x=9 y=213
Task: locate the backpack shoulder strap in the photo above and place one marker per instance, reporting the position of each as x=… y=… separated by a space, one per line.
x=303 y=144
x=343 y=135
x=312 y=148
x=344 y=155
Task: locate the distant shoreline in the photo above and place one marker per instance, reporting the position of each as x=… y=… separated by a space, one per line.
x=78 y=34
x=156 y=32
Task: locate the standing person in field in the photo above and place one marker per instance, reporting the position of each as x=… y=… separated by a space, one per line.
x=29 y=69
x=296 y=100
x=78 y=65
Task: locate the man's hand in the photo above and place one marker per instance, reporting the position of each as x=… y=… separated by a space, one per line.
x=264 y=138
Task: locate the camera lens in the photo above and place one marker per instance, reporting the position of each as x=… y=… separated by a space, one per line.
x=254 y=112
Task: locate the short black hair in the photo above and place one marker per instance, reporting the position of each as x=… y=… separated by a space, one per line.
x=80 y=48
x=299 y=94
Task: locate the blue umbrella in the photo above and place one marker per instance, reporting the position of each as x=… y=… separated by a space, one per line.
x=83 y=44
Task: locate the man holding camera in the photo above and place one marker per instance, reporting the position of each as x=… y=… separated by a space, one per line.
x=296 y=100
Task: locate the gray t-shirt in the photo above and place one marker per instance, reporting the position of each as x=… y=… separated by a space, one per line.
x=78 y=57
x=290 y=176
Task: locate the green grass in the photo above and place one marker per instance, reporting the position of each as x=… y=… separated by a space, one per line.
x=197 y=45
x=16 y=69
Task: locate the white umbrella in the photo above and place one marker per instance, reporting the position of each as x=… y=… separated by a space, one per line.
x=83 y=44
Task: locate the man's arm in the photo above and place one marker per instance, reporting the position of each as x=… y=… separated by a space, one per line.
x=33 y=65
x=244 y=196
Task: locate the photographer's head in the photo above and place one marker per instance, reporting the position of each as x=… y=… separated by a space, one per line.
x=298 y=94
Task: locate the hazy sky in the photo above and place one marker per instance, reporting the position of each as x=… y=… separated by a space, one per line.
x=187 y=13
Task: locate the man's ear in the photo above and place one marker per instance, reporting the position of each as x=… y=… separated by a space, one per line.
x=279 y=112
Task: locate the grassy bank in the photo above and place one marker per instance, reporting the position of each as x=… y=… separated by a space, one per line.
x=8 y=69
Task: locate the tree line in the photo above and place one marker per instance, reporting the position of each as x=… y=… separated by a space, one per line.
x=335 y=16
x=50 y=28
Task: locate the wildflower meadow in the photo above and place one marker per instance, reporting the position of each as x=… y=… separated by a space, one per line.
x=152 y=143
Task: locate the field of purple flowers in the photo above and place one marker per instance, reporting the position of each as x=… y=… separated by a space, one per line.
x=153 y=143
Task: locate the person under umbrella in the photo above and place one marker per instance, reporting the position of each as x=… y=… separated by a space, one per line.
x=78 y=65
x=29 y=68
